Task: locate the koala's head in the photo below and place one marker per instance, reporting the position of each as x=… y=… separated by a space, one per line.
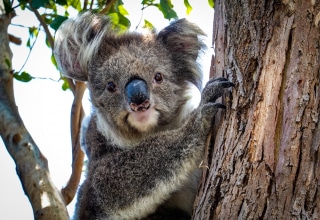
x=138 y=83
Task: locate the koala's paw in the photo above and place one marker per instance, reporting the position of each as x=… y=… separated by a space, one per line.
x=213 y=90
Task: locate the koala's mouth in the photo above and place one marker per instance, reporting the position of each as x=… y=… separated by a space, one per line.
x=140 y=107
x=143 y=120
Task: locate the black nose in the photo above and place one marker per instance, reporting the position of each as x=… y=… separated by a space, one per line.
x=137 y=95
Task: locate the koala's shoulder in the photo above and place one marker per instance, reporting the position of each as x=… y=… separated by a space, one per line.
x=95 y=142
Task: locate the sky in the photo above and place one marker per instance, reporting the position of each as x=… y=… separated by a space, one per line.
x=45 y=107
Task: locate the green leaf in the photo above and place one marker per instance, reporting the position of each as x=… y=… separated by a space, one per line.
x=23 y=76
x=23 y=3
x=119 y=21
x=165 y=7
x=114 y=17
x=53 y=60
x=28 y=43
x=148 y=25
x=65 y=84
x=33 y=31
x=147 y=2
x=55 y=24
x=39 y=3
x=188 y=6
x=211 y=3
x=8 y=62
x=76 y=4
x=122 y=10
x=62 y=2
x=124 y=22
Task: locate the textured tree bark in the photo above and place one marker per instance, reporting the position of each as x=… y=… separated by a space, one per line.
x=32 y=167
x=264 y=158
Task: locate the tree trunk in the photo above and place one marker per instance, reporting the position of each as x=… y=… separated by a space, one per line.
x=264 y=158
x=31 y=165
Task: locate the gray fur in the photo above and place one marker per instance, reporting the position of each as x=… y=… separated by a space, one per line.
x=142 y=164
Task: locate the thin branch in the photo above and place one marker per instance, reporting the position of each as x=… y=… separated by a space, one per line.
x=77 y=115
x=91 y=4
x=141 y=16
x=85 y=4
x=108 y=6
x=34 y=42
x=44 y=25
x=14 y=39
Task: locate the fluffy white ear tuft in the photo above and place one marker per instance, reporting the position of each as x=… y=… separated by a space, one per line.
x=76 y=42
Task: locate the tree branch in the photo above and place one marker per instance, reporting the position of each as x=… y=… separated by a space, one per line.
x=44 y=25
x=77 y=115
x=14 y=39
x=32 y=166
x=109 y=4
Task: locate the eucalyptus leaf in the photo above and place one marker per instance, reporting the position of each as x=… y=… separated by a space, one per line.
x=148 y=24
x=65 y=84
x=62 y=2
x=188 y=6
x=55 y=24
x=39 y=3
x=23 y=76
x=166 y=8
x=211 y=3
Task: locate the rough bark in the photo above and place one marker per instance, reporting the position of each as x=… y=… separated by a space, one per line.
x=32 y=167
x=264 y=158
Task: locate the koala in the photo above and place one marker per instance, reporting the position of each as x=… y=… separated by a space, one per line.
x=144 y=139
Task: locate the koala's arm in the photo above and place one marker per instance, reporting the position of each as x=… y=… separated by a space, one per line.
x=129 y=184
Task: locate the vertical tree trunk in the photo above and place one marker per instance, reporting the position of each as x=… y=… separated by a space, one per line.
x=264 y=159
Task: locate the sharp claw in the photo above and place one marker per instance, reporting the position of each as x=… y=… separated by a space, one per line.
x=227 y=84
x=219 y=105
x=214 y=89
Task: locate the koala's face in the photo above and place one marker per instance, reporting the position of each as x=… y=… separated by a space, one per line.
x=138 y=83
x=136 y=88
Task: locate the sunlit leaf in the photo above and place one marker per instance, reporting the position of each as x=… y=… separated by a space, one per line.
x=165 y=7
x=148 y=25
x=65 y=84
x=211 y=3
x=23 y=3
x=147 y=2
x=33 y=32
x=55 y=24
x=53 y=60
x=188 y=6
x=76 y=4
x=122 y=10
x=114 y=17
x=23 y=76
x=124 y=22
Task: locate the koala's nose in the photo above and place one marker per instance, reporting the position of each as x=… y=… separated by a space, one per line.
x=137 y=95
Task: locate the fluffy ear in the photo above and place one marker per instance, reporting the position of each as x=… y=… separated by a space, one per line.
x=184 y=40
x=76 y=41
x=182 y=37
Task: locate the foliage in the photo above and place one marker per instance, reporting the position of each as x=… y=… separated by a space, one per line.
x=49 y=14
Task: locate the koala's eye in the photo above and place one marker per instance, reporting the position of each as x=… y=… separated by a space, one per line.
x=158 y=78
x=111 y=87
